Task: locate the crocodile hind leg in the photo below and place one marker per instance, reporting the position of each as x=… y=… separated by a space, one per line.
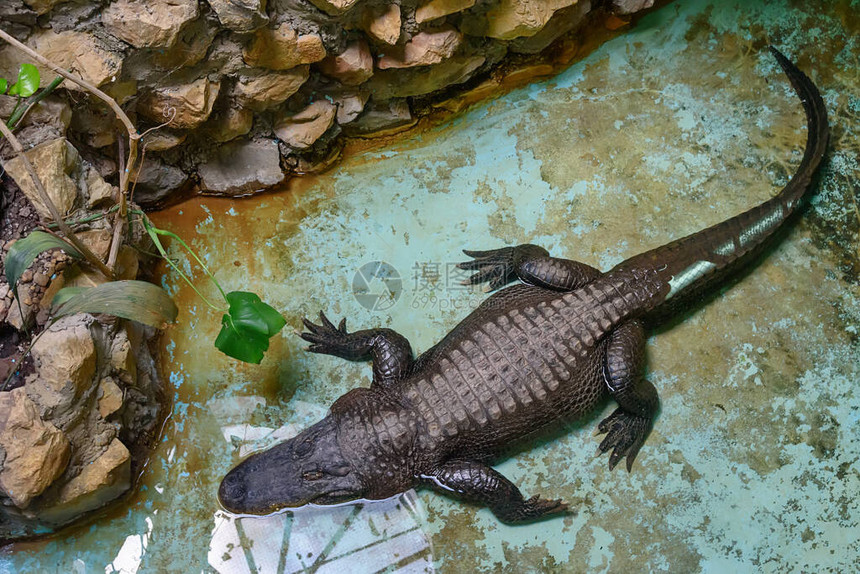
x=530 y=264
x=389 y=351
x=624 y=372
x=476 y=482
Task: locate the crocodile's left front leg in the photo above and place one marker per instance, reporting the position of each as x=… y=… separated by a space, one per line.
x=390 y=351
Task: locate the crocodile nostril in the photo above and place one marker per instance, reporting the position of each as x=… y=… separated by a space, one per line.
x=232 y=491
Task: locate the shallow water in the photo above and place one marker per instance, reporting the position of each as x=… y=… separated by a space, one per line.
x=753 y=462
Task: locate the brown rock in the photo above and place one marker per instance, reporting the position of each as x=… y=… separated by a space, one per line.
x=420 y=81
x=511 y=19
x=630 y=6
x=190 y=47
x=189 y=105
x=334 y=7
x=78 y=52
x=36 y=452
x=156 y=180
x=122 y=358
x=352 y=66
x=349 y=105
x=242 y=167
x=229 y=124
x=281 y=49
x=437 y=8
x=65 y=358
x=98 y=240
x=98 y=191
x=301 y=130
x=42 y=6
x=163 y=139
x=110 y=397
x=424 y=49
x=241 y=15
x=149 y=23
x=100 y=481
x=382 y=118
x=96 y=123
x=563 y=21
x=383 y=23
x=53 y=161
x=266 y=91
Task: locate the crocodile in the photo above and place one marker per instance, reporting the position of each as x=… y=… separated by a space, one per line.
x=533 y=356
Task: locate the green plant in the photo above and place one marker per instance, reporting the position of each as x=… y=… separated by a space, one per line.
x=26 y=89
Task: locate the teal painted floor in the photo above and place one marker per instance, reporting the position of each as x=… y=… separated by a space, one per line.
x=682 y=122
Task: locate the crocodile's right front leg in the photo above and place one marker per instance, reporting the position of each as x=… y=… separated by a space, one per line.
x=389 y=350
x=529 y=263
x=476 y=482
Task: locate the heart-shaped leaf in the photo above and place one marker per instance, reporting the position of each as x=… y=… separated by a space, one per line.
x=247 y=327
x=135 y=300
x=25 y=250
x=28 y=81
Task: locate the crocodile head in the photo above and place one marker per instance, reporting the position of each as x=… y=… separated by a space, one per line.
x=309 y=468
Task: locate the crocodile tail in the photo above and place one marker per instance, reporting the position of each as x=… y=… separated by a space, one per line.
x=694 y=264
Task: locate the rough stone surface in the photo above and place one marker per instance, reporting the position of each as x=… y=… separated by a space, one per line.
x=110 y=397
x=511 y=19
x=53 y=161
x=349 y=105
x=351 y=67
x=562 y=21
x=36 y=452
x=383 y=23
x=435 y=9
x=79 y=52
x=269 y=90
x=229 y=124
x=43 y=6
x=149 y=23
x=301 y=130
x=334 y=7
x=156 y=181
x=424 y=49
x=241 y=15
x=630 y=6
x=163 y=139
x=282 y=48
x=242 y=167
x=189 y=105
x=419 y=81
x=382 y=118
x=98 y=191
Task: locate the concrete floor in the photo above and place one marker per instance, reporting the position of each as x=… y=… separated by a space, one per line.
x=686 y=120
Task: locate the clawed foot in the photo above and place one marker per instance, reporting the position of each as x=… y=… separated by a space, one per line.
x=535 y=508
x=626 y=435
x=325 y=337
x=498 y=267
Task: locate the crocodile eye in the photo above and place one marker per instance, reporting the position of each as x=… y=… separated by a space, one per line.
x=304 y=448
x=311 y=475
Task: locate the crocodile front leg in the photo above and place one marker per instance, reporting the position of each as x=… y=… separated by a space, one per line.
x=390 y=351
x=476 y=482
x=624 y=372
x=530 y=264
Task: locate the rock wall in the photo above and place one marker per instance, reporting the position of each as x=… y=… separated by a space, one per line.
x=253 y=91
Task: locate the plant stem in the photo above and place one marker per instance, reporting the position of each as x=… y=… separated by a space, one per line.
x=94 y=217
x=24 y=356
x=55 y=213
x=41 y=95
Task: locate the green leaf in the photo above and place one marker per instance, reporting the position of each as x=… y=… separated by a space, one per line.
x=135 y=300
x=4 y=83
x=67 y=293
x=28 y=81
x=247 y=327
x=24 y=252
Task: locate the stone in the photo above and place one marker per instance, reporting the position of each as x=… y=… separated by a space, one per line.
x=281 y=48
x=301 y=130
x=435 y=9
x=241 y=15
x=52 y=111
x=42 y=6
x=109 y=398
x=98 y=191
x=122 y=359
x=424 y=49
x=630 y=6
x=163 y=139
x=269 y=90
x=188 y=50
x=511 y=19
x=65 y=359
x=78 y=52
x=18 y=317
x=156 y=180
x=419 y=81
x=185 y=105
x=382 y=118
x=229 y=124
x=102 y=480
x=562 y=22
x=96 y=123
x=383 y=23
x=121 y=91
x=334 y=7
x=36 y=452
x=149 y=23
x=242 y=167
x=351 y=67
x=349 y=105
x=53 y=162
x=98 y=240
